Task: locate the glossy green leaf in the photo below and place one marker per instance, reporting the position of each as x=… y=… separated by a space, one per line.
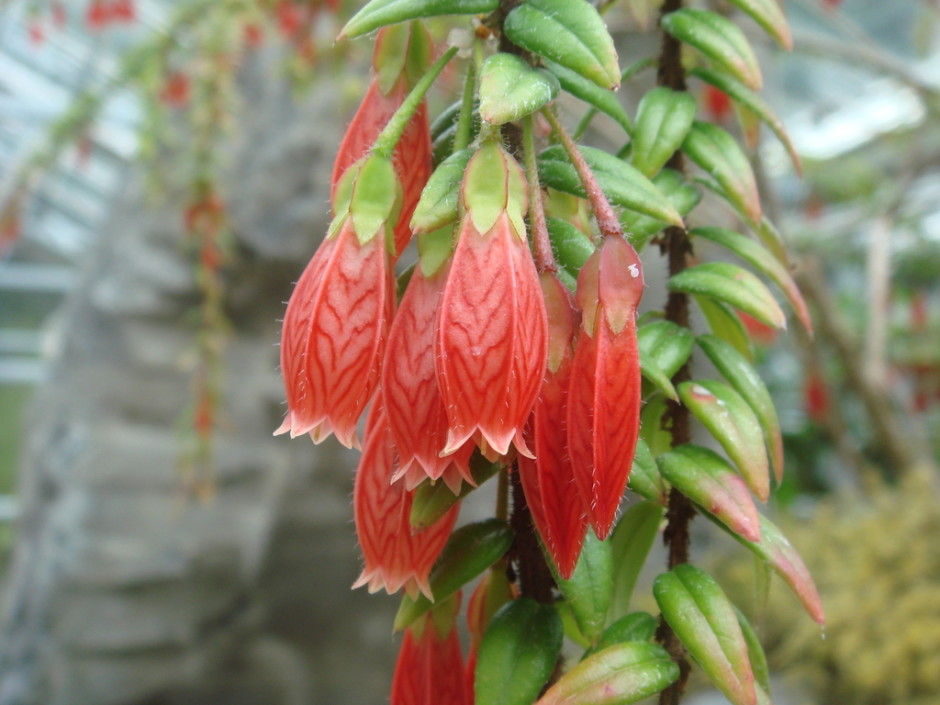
x=517 y=654
x=437 y=206
x=664 y=348
x=733 y=285
x=755 y=653
x=745 y=96
x=681 y=194
x=698 y=611
x=719 y=39
x=719 y=154
x=733 y=424
x=470 y=550
x=590 y=588
x=735 y=368
x=511 y=88
x=769 y=15
x=776 y=550
x=631 y=542
x=708 y=480
x=568 y=32
x=572 y=247
x=762 y=260
x=645 y=479
x=432 y=500
x=379 y=13
x=725 y=324
x=621 y=183
x=603 y=99
x=664 y=118
x=636 y=626
x=621 y=674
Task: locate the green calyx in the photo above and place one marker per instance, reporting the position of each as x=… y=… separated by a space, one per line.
x=401 y=50
x=374 y=198
x=494 y=183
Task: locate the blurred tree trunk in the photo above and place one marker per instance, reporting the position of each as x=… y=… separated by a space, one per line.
x=122 y=591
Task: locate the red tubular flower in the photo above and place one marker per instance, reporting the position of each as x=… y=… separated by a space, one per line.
x=336 y=322
x=333 y=337
x=430 y=668
x=491 y=335
x=412 y=156
x=604 y=396
x=394 y=556
x=548 y=481
x=410 y=394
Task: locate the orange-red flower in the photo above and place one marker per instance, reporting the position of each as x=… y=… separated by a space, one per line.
x=394 y=555
x=604 y=396
x=410 y=394
x=548 y=481
x=491 y=331
x=334 y=335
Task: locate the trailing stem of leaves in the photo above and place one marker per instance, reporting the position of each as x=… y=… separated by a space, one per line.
x=676 y=246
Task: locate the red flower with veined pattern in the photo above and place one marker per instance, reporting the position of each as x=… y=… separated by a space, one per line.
x=604 y=397
x=491 y=331
x=394 y=555
x=410 y=394
x=548 y=481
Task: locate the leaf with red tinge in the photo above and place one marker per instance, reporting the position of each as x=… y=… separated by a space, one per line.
x=698 y=611
x=769 y=15
x=620 y=674
x=719 y=39
x=704 y=477
x=780 y=554
x=744 y=378
x=719 y=154
x=725 y=323
x=734 y=285
x=763 y=260
x=733 y=424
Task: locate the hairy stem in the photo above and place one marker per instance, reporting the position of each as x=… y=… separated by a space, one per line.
x=541 y=245
x=676 y=246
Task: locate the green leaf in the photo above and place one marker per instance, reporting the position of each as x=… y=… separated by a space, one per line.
x=733 y=424
x=618 y=675
x=652 y=433
x=731 y=284
x=572 y=247
x=590 y=589
x=601 y=98
x=681 y=194
x=380 y=13
x=664 y=348
x=437 y=206
x=704 y=477
x=719 y=39
x=470 y=550
x=763 y=261
x=631 y=542
x=664 y=118
x=769 y=15
x=755 y=652
x=568 y=32
x=511 y=88
x=719 y=154
x=621 y=183
x=432 y=500
x=725 y=325
x=735 y=368
x=696 y=608
x=645 y=479
x=777 y=551
x=753 y=102
x=518 y=653
x=636 y=626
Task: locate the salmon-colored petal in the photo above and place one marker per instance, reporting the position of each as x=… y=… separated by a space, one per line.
x=394 y=556
x=430 y=670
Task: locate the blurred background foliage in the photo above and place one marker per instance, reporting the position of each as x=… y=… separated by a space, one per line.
x=92 y=91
